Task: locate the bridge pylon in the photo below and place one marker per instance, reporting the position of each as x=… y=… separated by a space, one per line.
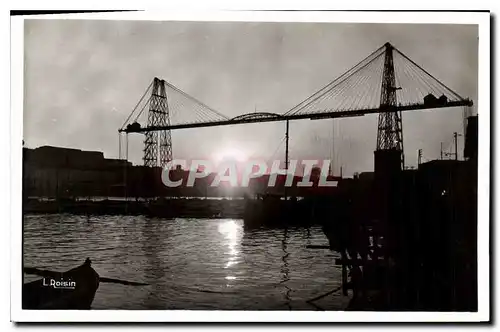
x=390 y=128
x=158 y=144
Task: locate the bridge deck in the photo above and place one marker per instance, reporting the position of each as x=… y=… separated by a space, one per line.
x=270 y=117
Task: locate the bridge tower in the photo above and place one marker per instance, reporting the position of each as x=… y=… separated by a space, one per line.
x=389 y=160
x=390 y=129
x=158 y=144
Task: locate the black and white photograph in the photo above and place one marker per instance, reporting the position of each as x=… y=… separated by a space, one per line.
x=251 y=166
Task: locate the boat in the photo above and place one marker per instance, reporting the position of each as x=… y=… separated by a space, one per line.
x=284 y=207
x=270 y=210
x=74 y=289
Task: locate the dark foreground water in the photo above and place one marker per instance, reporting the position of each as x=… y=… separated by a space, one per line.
x=189 y=263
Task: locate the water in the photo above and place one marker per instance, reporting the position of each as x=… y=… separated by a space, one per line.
x=206 y=264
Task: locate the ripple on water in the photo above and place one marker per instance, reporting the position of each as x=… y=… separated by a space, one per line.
x=189 y=263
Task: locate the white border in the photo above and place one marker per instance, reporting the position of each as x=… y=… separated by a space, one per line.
x=17 y=56
x=16 y=125
x=282 y=16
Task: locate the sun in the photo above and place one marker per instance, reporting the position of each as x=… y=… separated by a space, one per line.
x=230 y=154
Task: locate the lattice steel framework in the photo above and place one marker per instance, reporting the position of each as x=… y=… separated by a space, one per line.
x=390 y=128
x=369 y=87
x=158 y=144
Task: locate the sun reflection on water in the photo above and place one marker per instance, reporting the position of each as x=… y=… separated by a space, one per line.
x=232 y=233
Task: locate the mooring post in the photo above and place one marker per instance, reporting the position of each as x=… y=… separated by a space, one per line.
x=345 y=288
x=344 y=279
x=286 y=157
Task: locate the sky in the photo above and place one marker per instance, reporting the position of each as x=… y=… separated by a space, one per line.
x=83 y=78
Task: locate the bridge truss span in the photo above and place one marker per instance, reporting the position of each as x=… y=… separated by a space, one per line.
x=387 y=82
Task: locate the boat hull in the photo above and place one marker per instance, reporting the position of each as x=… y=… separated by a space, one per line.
x=80 y=286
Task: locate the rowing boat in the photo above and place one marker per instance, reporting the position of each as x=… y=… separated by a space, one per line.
x=74 y=289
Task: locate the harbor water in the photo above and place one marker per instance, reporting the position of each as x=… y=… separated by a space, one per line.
x=195 y=264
